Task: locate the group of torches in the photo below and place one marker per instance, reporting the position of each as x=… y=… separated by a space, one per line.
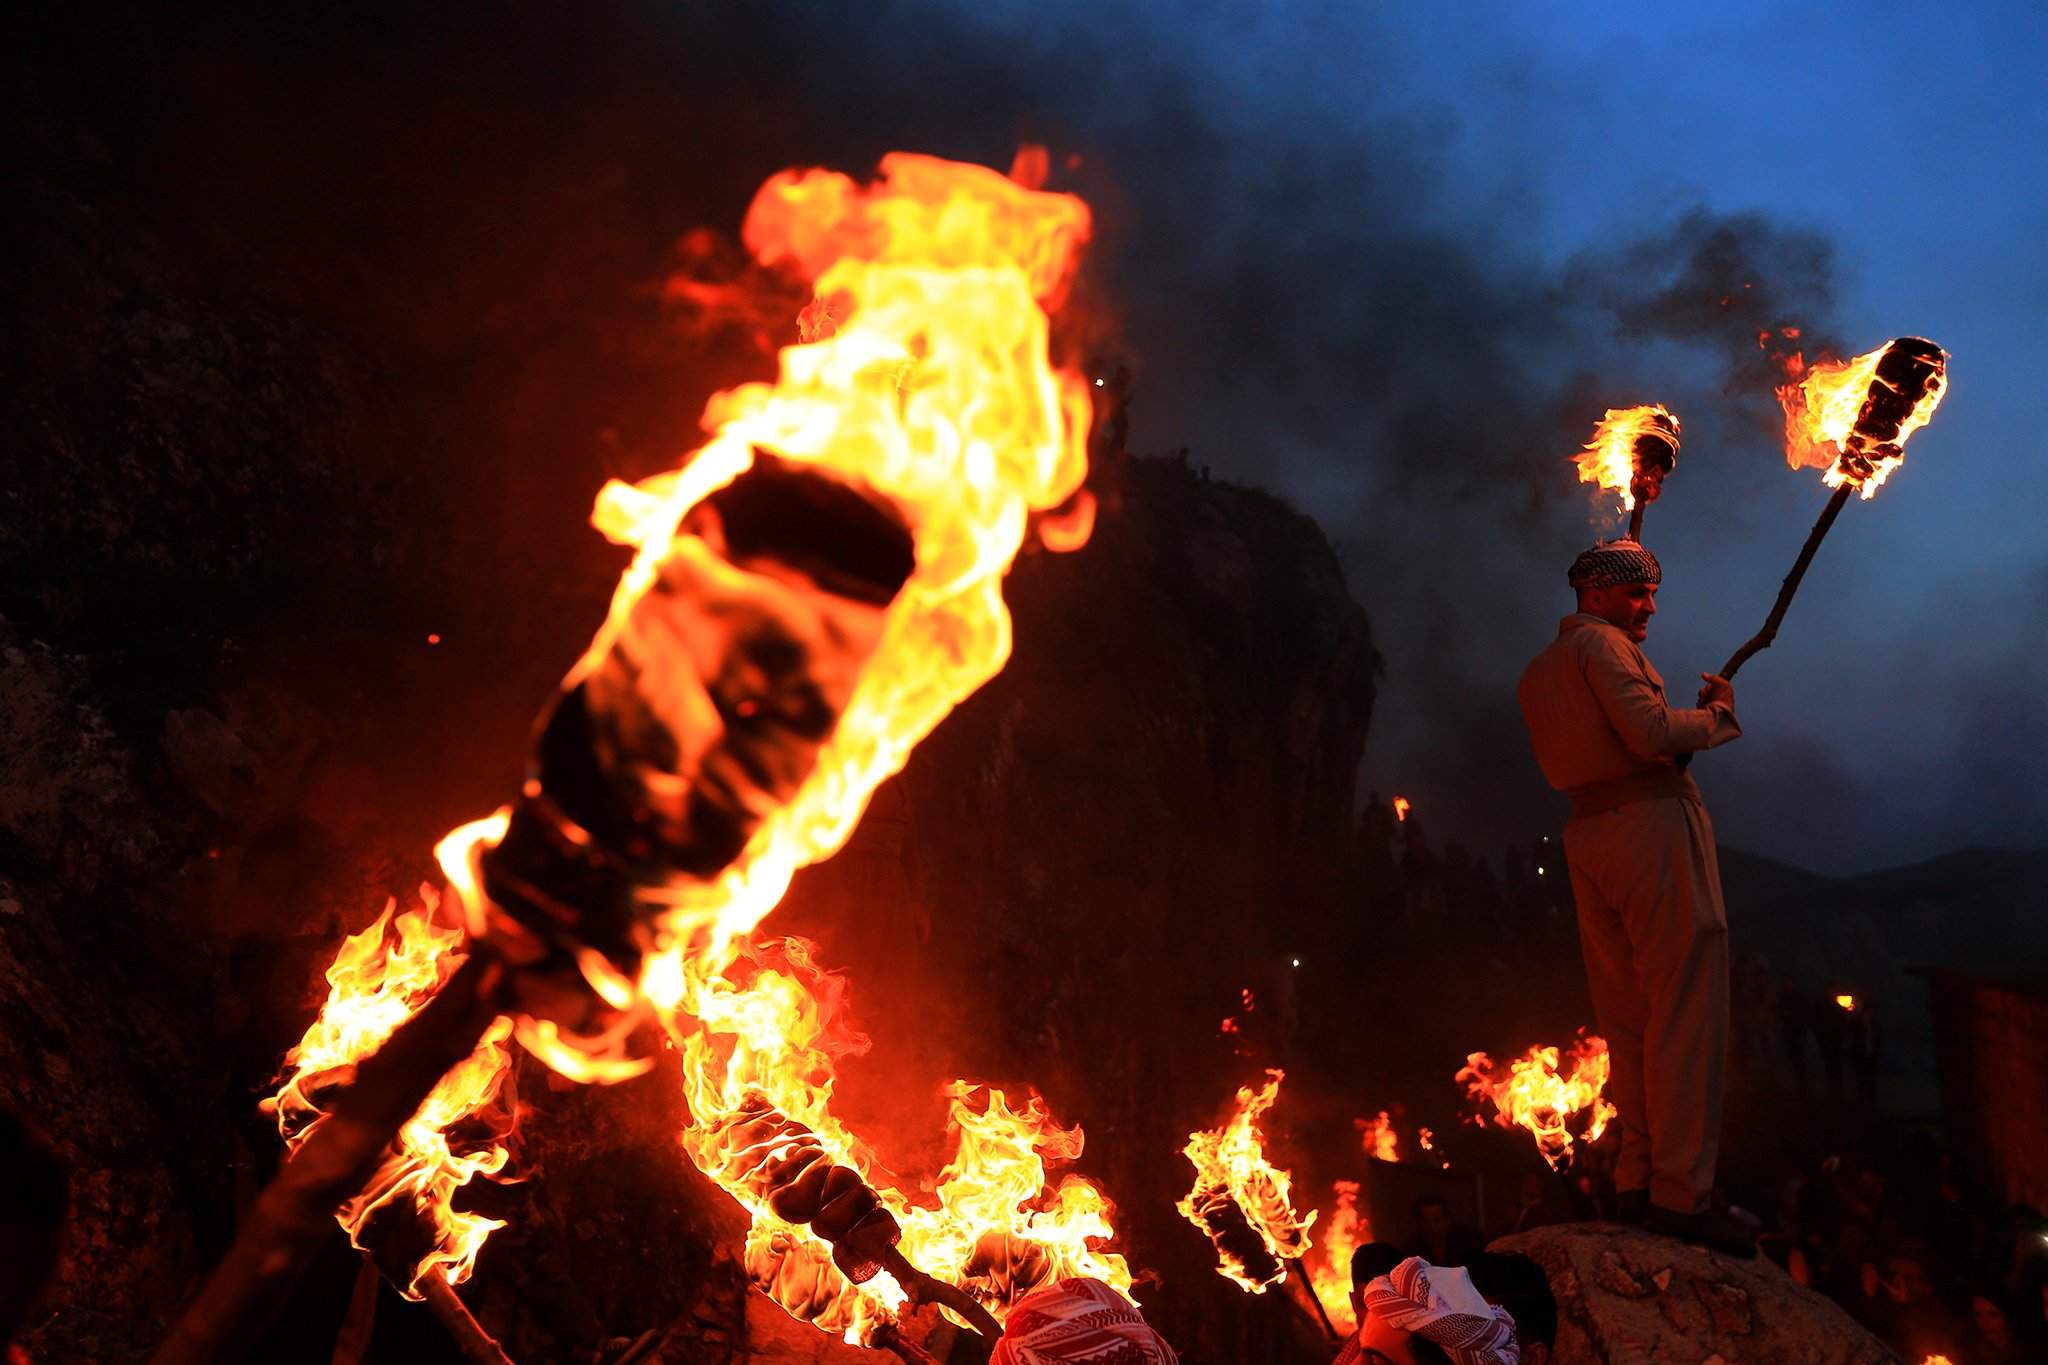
x=1850 y=418
x=1244 y=1203
x=811 y=592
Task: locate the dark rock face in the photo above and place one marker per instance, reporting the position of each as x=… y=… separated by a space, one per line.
x=1625 y=1297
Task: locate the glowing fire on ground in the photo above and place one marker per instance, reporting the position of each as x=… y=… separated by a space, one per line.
x=1821 y=408
x=1378 y=1137
x=1329 y=1266
x=933 y=391
x=1241 y=1200
x=1401 y=808
x=379 y=979
x=1610 y=460
x=1535 y=1095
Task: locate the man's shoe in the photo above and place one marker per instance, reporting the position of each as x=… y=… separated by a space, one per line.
x=1632 y=1207
x=1706 y=1228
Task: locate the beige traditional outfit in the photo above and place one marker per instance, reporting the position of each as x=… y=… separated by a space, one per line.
x=1648 y=887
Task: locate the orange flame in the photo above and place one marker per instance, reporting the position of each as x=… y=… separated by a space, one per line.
x=1847 y=1002
x=1378 y=1137
x=379 y=979
x=1231 y=1161
x=1609 y=458
x=1821 y=410
x=1330 y=1271
x=1535 y=1096
x=923 y=376
x=933 y=390
x=1401 y=808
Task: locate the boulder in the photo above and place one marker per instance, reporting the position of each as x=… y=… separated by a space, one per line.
x=1625 y=1296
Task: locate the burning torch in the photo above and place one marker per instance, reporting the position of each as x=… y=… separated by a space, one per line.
x=1854 y=416
x=1630 y=453
x=812 y=592
x=1243 y=1203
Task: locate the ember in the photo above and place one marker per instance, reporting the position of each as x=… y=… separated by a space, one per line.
x=1241 y=1200
x=1536 y=1096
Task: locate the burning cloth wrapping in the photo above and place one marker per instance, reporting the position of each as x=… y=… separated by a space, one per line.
x=1648 y=888
x=1079 y=1321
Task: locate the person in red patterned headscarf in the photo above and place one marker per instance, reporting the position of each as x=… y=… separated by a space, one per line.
x=1079 y=1322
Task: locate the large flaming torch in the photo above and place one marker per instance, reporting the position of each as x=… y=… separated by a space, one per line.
x=1244 y=1204
x=1533 y=1094
x=1630 y=453
x=1854 y=417
x=813 y=591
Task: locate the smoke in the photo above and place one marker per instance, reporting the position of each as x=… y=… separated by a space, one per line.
x=1322 y=289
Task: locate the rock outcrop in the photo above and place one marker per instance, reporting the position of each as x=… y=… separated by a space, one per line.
x=1625 y=1297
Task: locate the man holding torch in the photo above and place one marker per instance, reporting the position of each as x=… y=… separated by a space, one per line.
x=1648 y=886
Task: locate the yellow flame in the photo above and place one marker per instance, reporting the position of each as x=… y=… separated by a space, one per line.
x=1821 y=410
x=1609 y=457
x=1232 y=1160
x=1847 y=1002
x=1536 y=1096
x=1378 y=1138
x=1401 y=808
x=380 y=978
x=934 y=391
x=1329 y=1273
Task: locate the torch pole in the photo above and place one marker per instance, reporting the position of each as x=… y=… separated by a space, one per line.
x=1762 y=639
x=296 y=1210
x=478 y=1347
x=1308 y=1288
x=1635 y=522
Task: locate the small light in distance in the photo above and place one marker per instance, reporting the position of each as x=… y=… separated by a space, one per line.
x=433 y=639
x=1297 y=962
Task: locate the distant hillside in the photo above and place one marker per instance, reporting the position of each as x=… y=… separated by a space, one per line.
x=1974 y=909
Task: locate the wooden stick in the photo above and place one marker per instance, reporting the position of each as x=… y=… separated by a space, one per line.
x=296 y=1210
x=1302 y=1277
x=1635 y=522
x=478 y=1347
x=1762 y=639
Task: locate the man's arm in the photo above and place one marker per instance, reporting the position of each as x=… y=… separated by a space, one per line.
x=1636 y=708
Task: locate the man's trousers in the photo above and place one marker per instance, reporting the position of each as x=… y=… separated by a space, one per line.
x=1655 y=937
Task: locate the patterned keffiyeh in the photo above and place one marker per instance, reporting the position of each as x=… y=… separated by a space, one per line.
x=1439 y=1302
x=1615 y=561
x=1079 y=1322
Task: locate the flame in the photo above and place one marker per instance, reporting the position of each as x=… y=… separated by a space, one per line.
x=1609 y=458
x=1534 y=1095
x=1821 y=408
x=1847 y=1002
x=923 y=376
x=1937 y=1360
x=1422 y=1137
x=1329 y=1272
x=1401 y=808
x=1378 y=1137
x=378 y=980
x=1230 y=1164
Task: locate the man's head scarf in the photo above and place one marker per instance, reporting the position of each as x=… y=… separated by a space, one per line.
x=1440 y=1303
x=1615 y=561
x=1079 y=1322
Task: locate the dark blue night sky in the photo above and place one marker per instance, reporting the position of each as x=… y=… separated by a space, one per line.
x=1468 y=185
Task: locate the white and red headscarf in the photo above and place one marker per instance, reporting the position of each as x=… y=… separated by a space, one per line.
x=1079 y=1322
x=1439 y=1302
